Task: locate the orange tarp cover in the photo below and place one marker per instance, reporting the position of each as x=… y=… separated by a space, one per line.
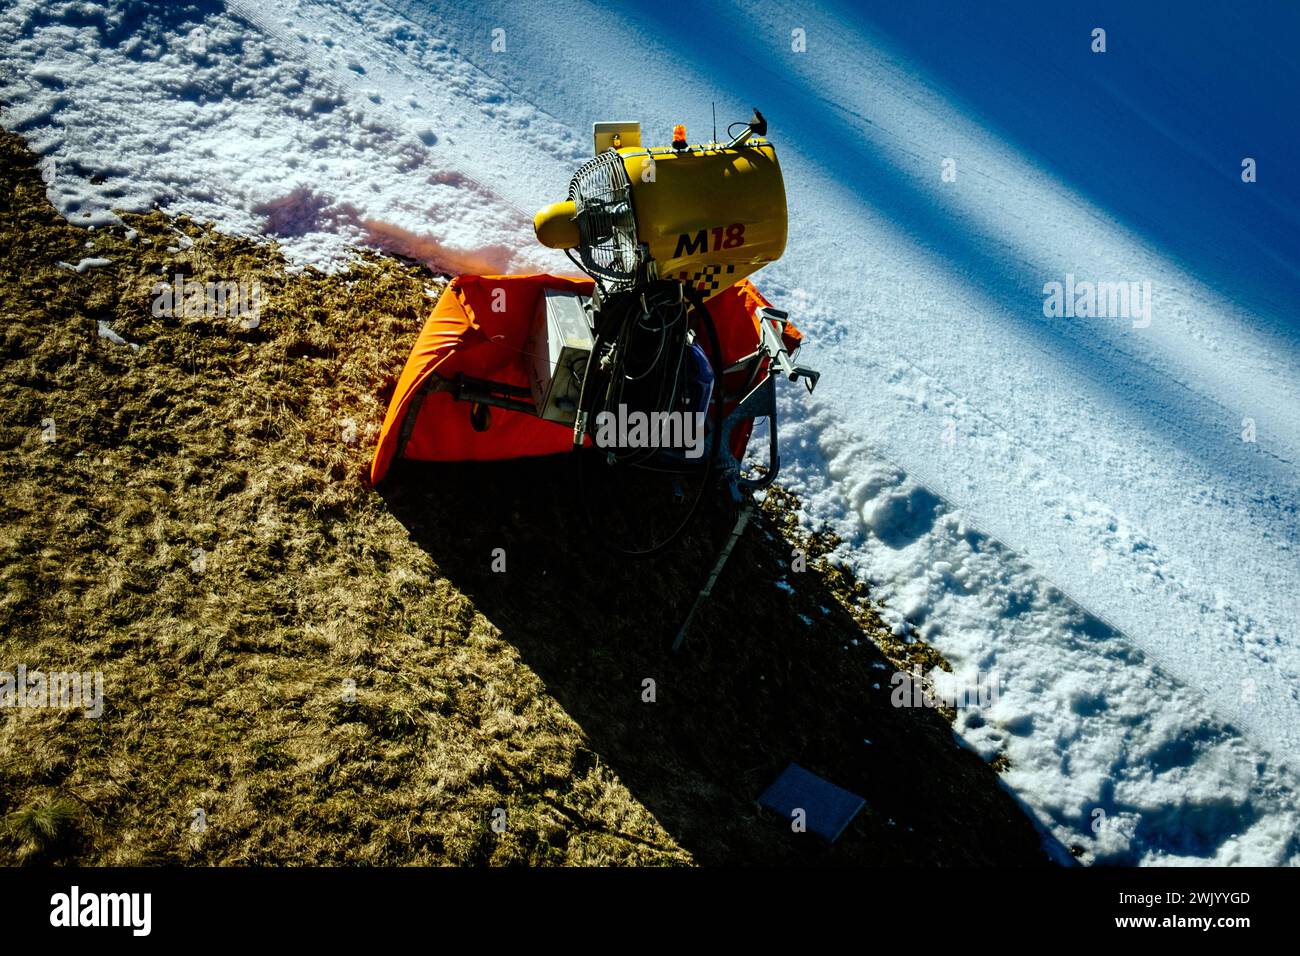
x=479 y=328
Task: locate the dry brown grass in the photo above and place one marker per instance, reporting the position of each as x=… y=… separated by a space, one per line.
x=225 y=688
x=225 y=684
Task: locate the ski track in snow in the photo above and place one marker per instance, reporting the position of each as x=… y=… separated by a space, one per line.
x=1046 y=521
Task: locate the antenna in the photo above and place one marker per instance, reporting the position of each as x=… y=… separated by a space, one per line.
x=715 y=121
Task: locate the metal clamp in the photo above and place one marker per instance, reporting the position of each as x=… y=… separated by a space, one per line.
x=771 y=323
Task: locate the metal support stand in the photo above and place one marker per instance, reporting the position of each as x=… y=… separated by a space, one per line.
x=763 y=365
x=760 y=402
x=742 y=519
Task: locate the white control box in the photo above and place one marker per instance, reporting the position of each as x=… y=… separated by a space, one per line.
x=558 y=348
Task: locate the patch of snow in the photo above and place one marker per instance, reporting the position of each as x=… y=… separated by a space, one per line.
x=84 y=264
x=107 y=333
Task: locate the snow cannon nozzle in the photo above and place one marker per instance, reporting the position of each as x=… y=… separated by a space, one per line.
x=556 y=226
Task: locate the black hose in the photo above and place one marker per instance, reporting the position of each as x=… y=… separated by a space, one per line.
x=614 y=386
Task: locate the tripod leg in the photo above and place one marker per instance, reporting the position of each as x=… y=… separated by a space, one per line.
x=742 y=519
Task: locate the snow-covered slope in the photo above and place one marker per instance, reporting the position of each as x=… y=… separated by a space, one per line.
x=1066 y=501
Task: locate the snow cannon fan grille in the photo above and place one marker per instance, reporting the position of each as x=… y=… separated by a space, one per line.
x=602 y=200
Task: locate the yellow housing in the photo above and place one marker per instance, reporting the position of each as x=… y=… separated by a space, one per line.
x=709 y=215
x=556 y=227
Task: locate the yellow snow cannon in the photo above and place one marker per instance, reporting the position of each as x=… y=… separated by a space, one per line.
x=706 y=215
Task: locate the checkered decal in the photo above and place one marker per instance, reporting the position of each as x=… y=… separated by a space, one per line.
x=707 y=280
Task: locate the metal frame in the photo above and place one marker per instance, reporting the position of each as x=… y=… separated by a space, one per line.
x=760 y=401
x=769 y=360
